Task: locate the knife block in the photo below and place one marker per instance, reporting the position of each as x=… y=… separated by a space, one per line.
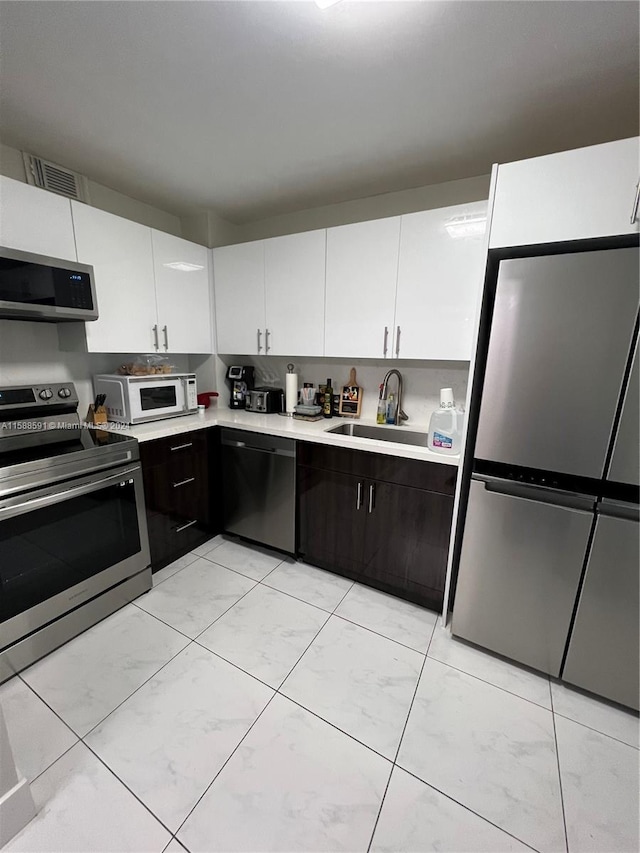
x=97 y=416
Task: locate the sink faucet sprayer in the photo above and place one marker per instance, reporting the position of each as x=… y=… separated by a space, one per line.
x=399 y=415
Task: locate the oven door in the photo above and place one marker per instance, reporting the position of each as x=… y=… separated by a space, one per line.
x=63 y=545
x=152 y=398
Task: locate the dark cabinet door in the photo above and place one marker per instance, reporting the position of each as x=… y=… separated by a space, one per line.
x=331 y=518
x=406 y=541
x=392 y=537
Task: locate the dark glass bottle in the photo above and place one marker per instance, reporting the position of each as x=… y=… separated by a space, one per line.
x=327 y=408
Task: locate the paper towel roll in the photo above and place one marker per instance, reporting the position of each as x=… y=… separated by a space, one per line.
x=291 y=392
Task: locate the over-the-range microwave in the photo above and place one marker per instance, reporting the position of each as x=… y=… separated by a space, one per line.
x=34 y=287
x=138 y=399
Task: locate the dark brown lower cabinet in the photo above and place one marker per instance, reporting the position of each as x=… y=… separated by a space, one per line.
x=389 y=535
x=407 y=540
x=178 y=473
x=331 y=528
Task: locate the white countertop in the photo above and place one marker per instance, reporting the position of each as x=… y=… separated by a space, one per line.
x=315 y=431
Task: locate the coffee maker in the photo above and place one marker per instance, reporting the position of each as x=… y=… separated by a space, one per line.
x=240 y=379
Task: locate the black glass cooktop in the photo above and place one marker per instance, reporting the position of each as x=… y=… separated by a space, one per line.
x=57 y=443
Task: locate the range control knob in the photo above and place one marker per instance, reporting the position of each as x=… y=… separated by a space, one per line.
x=64 y=392
x=46 y=394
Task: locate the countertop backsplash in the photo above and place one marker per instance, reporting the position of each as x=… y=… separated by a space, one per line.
x=422 y=380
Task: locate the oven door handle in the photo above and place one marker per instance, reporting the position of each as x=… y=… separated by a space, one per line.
x=11 y=510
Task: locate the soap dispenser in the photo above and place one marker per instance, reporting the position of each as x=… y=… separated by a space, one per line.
x=392 y=410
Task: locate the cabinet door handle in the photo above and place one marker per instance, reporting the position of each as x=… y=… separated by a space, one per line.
x=398 y=343
x=372 y=497
x=259 y=339
x=182 y=446
x=385 y=341
x=636 y=201
x=184 y=482
x=184 y=526
x=156 y=343
x=266 y=340
x=359 y=496
x=165 y=332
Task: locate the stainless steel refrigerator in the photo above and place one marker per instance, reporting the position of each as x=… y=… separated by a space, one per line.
x=548 y=563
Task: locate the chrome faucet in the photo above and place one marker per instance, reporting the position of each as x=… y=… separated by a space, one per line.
x=399 y=414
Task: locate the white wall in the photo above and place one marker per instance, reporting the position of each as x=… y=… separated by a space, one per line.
x=422 y=380
x=221 y=232
x=29 y=354
x=104 y=198
x=210 y=229
x=372 y=207
x=11 y=163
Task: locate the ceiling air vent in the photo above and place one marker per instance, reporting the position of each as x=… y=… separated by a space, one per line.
x=49 y=176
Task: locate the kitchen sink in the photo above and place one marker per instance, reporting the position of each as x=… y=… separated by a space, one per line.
x=381 y=433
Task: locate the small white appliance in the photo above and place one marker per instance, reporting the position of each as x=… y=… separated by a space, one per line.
x=138 y=399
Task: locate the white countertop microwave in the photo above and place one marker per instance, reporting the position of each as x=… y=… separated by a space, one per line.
x=138 y=399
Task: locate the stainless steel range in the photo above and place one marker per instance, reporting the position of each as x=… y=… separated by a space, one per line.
x=73 y=534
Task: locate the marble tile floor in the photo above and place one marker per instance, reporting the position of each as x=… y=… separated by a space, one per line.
x=251 y=703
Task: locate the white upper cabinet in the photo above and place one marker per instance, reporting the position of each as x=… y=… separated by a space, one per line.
x=35 y=220
x=121 y=255
x=574 y=195
x=362 y=269
x=182 y=294
x=238 y=276
x=152 y=288
x=294 y=293
x=440 y=273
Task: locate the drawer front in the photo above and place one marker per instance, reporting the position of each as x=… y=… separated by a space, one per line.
x=603 y=652
x=520 y=566
x=418 y=474
x=175 y=449
x=171 y=538
x=185 y=497
x=190 y=499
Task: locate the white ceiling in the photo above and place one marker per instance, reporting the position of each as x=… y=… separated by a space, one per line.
x=259 y=108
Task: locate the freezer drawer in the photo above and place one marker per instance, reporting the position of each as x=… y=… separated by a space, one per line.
x=603 y=652
x=560 y=338
x=520 y=567
x=626 y=458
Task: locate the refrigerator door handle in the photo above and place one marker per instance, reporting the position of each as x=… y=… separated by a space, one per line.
x=619 y=509
x=540 y=494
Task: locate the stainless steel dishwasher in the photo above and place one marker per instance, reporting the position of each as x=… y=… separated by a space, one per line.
x=259 y=474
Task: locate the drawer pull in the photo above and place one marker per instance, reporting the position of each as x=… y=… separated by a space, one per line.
x=182 y=446
x=184 y=482
x=184 y=526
